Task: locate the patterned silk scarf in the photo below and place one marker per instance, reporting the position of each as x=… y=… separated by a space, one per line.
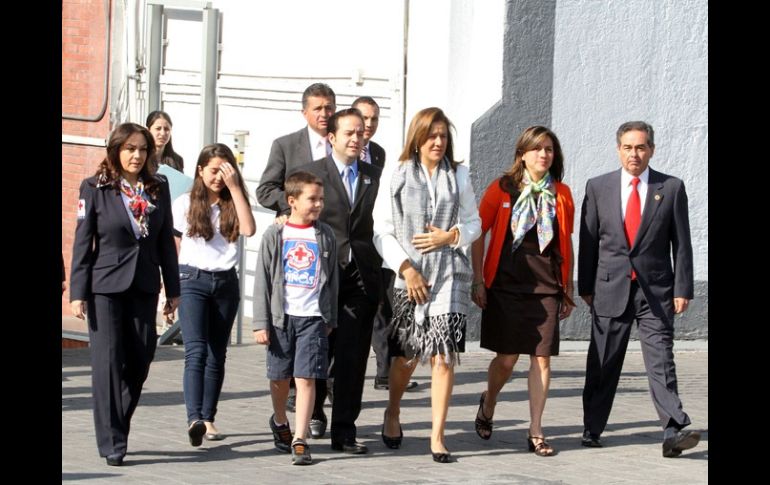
x=139 y=203
x=535 y=205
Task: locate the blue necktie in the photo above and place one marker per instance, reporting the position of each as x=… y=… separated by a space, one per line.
x=347 y=181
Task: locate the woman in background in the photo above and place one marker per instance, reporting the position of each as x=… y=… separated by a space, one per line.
x=159 y=124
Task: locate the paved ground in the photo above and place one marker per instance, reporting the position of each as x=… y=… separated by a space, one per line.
x=159 y=451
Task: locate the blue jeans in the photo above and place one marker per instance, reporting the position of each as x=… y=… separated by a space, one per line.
x=208 y=305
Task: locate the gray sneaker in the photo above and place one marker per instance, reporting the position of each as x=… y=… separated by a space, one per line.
x=300 y=452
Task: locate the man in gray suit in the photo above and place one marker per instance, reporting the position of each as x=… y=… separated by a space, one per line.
x=298 y=148
x=634 y=222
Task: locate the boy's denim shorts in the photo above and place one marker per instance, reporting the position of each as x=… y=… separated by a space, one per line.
x=299 y=349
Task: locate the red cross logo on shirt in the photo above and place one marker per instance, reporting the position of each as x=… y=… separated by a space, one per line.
x=300 y=257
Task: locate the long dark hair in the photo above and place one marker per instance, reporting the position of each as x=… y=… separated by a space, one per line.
x=530 y=139
x=109 y=170
x=419 y=131
x=199 y=214
x=168 y=156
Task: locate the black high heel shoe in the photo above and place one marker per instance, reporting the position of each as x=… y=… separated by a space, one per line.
x=441 y=457
x=393 y=443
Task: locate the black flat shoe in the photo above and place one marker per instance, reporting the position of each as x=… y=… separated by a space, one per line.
x=393 y=443
x=196 y=431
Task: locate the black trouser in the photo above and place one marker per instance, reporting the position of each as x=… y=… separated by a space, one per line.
x=609 y=340
x=349 y=350
x=381 y=323
x=121 y=328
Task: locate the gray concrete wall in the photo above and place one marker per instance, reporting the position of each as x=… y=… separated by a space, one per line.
x=584 y=67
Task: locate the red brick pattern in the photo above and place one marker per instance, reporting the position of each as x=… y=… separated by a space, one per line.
x=84 y=38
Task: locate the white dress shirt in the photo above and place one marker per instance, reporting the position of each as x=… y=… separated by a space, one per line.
x=626 y=188
x=319 y=145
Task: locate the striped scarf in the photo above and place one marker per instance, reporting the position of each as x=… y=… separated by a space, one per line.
x=447 y=270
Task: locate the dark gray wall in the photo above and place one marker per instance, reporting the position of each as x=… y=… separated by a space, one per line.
x=527 y=99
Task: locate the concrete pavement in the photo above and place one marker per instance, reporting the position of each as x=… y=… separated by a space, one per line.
x=159 y=451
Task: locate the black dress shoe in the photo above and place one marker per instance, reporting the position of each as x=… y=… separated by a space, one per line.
x=350 y=446
x=115 y=459
x=591 y=440
x=318 y=426
x=381 y=383
x=683 y=440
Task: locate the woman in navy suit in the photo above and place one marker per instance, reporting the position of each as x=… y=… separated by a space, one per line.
x=123 y=236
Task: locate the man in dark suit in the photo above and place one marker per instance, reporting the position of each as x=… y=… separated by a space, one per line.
x=375 y=154
x=295 y=149
x=350 y=189
x=287 y=153
x=634 y=222
x=370 y=151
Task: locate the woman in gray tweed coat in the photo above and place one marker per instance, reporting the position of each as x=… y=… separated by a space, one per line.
x=424 y=216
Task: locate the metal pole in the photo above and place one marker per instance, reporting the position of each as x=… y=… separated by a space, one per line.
x=208 y=124
x=240 y=148
x=155 y=49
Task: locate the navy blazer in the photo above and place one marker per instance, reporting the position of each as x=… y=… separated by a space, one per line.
x=605 y=260
x=353 y=226
x=287 y=153
x=108 y=258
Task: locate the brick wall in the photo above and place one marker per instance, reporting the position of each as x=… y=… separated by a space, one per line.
x=84 y=38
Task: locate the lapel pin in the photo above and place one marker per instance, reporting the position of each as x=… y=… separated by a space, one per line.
x=506 y=205
x=367 y=180
x=658 y=197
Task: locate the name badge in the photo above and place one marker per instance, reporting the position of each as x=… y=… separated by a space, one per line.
x=367 y=181
x=506 y=205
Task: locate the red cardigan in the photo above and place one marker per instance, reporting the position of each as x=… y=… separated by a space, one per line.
x=495 y=212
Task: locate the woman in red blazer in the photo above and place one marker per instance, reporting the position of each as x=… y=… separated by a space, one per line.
x=525 y=286
x=123 y=236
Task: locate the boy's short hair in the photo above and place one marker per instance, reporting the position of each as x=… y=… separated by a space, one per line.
x=297 y=181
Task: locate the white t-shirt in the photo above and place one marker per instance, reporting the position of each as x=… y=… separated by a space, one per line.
x=217 y=254
x=300 y=269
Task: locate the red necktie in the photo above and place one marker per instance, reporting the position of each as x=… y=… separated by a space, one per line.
x=633 y=216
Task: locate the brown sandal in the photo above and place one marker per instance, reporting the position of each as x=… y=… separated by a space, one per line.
x=540 y=449
x=483 y=423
